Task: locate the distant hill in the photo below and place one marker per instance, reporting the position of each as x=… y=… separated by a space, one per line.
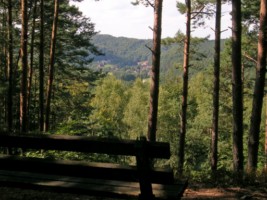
x=128 y=56
x=122 y=51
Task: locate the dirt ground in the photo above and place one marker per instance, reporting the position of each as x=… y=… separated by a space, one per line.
x=234 y=193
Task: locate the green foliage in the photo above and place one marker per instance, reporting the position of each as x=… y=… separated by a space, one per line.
x=136 y=110
x=200 y=53
x=71 y=103
x=250 y=12
x=74 y=45
x=110 y=98
x=200 y=10
x=73 y=81
x=181 y=7
x=67 y=155
x=169 y=116
x=144 y=2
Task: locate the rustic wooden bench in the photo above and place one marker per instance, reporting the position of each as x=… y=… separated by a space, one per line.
x=94 y=178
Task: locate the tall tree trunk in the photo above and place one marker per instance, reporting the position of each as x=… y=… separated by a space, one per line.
x=181 y=150
x=237 y=88
x=41 y=68
x=255 y=121
x=154 y=86
x=23 y=92
x=216 y=89
x=30 y=72
x=265 y=142
x=51 y=66
x=10 y=68
x=4 y=44
x=4 y=65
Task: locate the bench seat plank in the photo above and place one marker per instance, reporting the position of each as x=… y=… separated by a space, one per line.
x=82 y=169
x=83 y=144
x=111 y=188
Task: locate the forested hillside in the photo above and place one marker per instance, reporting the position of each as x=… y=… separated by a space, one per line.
x=129 y=58
x=122 y=51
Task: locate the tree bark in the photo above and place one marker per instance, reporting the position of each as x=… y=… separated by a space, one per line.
x=41 y=68
x=24 y=56
x=181 y=150
x=265 y=142
x=237 y=88
x=4 y=63
x=30 y=72
x=255 y=121
x=154 y=86
x=4 y=44
x=216 y=89
x=51 y=65
x=10 y=69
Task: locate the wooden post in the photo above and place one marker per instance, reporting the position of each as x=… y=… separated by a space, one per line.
x=144 y=170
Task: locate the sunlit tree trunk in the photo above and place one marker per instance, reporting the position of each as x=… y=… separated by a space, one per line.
x=237 y=88
x=255 y=121
x=181 y=150
x=51 y=66
x=24 y=55
x=154 y=86
x=10 y=69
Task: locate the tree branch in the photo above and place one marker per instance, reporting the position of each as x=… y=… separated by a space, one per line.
x=151 y=4
x=197 y=13
x=221 y=30
x=149 y=48
x=250 y=58
x=151 y=28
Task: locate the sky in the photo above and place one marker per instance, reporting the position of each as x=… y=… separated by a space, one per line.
x=121 y=18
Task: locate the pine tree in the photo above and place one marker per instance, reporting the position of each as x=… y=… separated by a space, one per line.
x=154 y=84
x=237 y=89
x=155 y=71
x=51 y=66
x=10 y=68
x=181 y=149
x=41 y=68
x=216 y=88
x=253 y=142
x=24 y=58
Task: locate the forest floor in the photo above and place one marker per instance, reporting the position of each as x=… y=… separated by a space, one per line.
x=193 y=192
x=231 y=193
